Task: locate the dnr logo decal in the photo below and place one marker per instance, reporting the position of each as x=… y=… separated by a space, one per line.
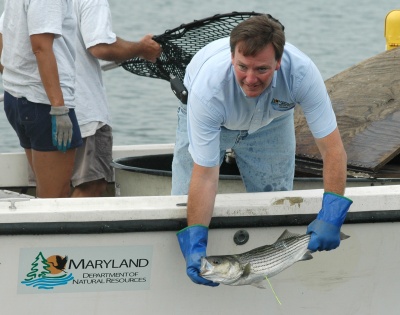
x=47 y=273
x=281 y=105
x=85 y=269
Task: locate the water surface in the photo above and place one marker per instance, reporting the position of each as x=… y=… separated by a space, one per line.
x=335 y=34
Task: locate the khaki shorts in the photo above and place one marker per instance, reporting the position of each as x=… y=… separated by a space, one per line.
x=93 y=158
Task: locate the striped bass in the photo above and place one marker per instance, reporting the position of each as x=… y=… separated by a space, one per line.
x=256 y=265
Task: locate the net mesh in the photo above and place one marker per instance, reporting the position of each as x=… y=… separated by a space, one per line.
x=180 y=44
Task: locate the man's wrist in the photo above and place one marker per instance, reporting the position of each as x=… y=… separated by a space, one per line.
x=59 y=110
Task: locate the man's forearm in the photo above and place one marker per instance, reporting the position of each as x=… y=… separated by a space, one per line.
x=202 y=192
x=334 y=158
x=118 y=51
x=122 y=50
x=335 y=172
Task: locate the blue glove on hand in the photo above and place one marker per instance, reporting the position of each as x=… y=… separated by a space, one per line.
x=61 y=131
x=325 y=229
x=193 y=243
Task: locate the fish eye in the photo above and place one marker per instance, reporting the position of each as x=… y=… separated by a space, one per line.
x=216 y=261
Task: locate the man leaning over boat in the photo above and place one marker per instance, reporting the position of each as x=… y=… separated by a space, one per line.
x=242 y=94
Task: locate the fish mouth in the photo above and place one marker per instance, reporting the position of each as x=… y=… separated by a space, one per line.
x=205 y=267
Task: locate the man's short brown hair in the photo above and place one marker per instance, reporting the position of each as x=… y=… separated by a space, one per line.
x=253 y=34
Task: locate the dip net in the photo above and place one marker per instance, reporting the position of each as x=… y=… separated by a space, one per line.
x=180 y=44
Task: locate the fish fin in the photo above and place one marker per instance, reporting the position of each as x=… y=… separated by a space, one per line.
x=343 y=236
x=306 y=256
x=259 y=284
x=246 y=270
x=286 y=234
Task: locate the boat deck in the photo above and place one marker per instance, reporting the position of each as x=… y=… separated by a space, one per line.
x=8 y=194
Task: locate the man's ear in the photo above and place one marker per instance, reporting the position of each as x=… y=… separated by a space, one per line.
x=278 y=64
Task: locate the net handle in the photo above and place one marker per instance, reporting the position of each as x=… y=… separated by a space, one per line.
x=109 y=65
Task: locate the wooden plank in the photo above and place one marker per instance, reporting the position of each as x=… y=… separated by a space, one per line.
x=366 y=100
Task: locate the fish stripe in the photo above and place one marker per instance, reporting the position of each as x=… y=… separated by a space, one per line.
x=256 y=265
x=276 y=257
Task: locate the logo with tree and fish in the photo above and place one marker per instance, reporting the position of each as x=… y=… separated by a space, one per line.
x=84 y=269
x=47 y=273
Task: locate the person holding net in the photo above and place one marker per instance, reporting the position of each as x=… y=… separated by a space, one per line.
x=96 y=40
x=242 y=91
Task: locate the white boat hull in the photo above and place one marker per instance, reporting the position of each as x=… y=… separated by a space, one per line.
x=360 y=277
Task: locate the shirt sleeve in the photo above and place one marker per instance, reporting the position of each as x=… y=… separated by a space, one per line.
x=45 y=16
x=1 y=23
x=95 y=23
x=315 y=102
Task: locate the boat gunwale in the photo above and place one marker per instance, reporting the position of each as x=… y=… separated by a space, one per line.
x=140 y=214
x=153 y=225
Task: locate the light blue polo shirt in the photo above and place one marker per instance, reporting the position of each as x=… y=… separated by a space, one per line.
x=216 y=99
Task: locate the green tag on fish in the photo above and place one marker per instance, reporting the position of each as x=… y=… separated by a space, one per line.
x=273 y=291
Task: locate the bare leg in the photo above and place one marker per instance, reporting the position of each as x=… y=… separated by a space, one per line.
x=28 y=153
x=53 y=172
x=90 y=189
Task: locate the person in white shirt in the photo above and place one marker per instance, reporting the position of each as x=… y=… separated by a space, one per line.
x=96 y=40
x=39 y=81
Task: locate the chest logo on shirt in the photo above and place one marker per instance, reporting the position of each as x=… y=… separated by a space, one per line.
x=281 y=105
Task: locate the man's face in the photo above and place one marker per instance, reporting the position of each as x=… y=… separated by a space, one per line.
x=254 y=73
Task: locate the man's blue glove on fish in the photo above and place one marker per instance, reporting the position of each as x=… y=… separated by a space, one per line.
x=193 y=243
x=325 y=229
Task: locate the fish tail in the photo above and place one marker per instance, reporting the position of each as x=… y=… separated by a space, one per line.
x=343 y=236
x=307 y=256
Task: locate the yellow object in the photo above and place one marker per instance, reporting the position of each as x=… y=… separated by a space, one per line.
x=392 y=29
x=273 y=291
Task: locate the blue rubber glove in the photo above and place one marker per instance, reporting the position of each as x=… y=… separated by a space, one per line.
x=193 y=243
x=61 y=127
x=325 y=229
